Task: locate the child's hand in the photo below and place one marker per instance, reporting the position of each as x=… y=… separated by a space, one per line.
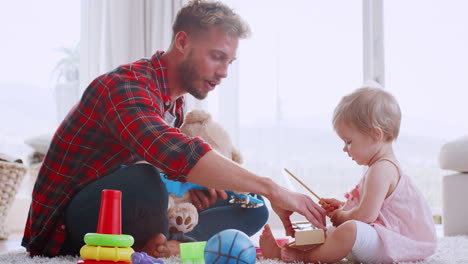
x=330 y=204
x=338 y=217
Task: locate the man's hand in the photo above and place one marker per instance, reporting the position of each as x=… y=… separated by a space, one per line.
x=284 y=217
x=203 y=199
x=285 y=202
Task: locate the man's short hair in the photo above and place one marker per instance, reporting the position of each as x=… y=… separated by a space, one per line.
x=368 y=108
x=199 y=15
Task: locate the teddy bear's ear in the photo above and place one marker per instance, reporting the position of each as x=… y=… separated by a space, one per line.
x=197 y=116
x=236 y=156
x=170 y=202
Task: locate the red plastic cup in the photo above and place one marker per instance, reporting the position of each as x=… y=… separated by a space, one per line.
x=110 y=213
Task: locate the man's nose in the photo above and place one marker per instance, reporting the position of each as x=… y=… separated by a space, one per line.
x=222 y=70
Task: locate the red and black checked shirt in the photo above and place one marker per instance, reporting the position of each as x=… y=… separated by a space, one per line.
x=119 y=120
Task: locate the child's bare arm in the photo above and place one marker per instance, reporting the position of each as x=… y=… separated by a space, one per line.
x=380 y=181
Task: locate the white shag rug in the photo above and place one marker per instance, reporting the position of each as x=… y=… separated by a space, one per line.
x=450 y=250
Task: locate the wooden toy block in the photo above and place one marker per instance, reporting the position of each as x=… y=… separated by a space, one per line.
x=309 y=237
x=306 y=234
x=302 y=225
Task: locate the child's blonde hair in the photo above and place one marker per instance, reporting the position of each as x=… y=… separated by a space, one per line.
x=368 y=108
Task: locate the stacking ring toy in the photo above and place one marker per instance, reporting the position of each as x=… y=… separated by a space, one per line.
x=106 y=253
x=108 y=240
x=90 y=261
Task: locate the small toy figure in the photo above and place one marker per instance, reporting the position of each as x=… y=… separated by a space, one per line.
x=143 y=258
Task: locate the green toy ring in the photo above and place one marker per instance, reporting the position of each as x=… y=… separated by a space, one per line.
x=108 y=240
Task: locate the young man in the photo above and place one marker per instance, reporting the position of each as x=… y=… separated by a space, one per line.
x=130 y=114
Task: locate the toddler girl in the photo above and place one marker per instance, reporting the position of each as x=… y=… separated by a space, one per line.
x=385 y=218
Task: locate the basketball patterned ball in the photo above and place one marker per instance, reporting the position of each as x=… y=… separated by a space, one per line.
x=230 y=247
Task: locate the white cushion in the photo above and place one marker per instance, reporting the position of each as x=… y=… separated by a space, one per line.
x=40 y=143
x=455 y=213
x=454 y=155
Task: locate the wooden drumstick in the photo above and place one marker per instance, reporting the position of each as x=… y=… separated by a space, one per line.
x=305 y=186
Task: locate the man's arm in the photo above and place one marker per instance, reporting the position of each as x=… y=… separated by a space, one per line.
x=207 y=172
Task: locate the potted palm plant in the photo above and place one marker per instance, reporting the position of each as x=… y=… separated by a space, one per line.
x=66 y=76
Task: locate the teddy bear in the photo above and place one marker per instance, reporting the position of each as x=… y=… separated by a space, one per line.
x=182 y=214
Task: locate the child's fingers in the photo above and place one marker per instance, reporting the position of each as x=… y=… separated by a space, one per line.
x=324 y=204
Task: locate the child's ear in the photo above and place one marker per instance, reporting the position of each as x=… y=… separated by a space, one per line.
x=377 y=134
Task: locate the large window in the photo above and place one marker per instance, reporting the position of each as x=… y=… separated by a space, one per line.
x=304 y=56
x=36 y=35
x=301 y=58
x=426 y=58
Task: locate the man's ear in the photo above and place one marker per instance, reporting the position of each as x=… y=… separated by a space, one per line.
x=182 y=41
x=377 y=134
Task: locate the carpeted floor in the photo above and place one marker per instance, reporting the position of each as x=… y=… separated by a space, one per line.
x=450 y=250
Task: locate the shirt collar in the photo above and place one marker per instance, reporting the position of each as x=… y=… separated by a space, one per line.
x=161 y=71
x=160 y=67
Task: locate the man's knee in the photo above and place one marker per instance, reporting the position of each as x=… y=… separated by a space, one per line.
x=261 y=215
x=255 y=218
x=143 y=205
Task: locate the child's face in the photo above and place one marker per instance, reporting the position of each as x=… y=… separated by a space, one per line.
x=359 y=146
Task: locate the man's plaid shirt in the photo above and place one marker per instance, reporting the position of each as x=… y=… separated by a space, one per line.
x=119 y=120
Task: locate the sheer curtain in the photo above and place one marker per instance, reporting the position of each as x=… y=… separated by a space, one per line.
x=115 y=32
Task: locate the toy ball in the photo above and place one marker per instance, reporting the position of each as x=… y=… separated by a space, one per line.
x=230 y=247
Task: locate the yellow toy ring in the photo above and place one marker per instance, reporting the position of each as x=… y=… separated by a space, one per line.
x=108 y=240
x=106 y=253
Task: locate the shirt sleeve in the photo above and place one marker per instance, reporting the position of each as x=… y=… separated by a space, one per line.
x=134 y=116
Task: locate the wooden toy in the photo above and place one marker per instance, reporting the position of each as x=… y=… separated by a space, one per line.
x=305 y=186
x=309 y=237
x=306 y=234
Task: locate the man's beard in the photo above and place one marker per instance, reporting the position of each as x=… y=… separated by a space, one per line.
x=188 y=74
